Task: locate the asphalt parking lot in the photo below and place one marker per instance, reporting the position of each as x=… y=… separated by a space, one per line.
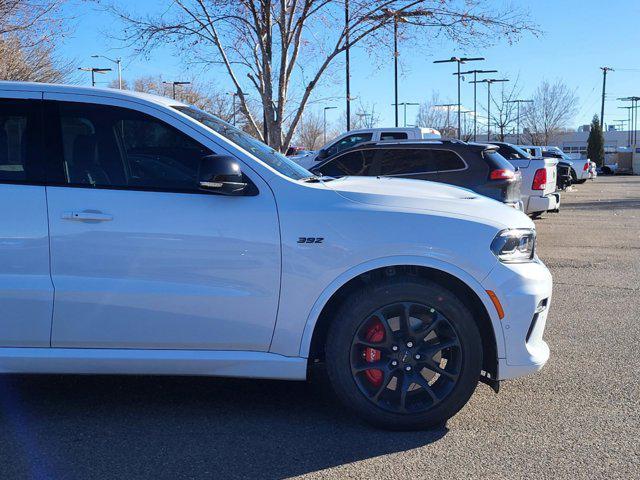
x=578 y=418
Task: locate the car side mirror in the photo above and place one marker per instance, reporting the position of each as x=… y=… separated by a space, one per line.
x=221 y=174
x=322 y=154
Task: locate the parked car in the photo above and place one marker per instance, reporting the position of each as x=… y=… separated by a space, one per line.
x=564 y=178
x=354 y=137
x=580 y=169
x=140 y=235
x=539 y=175
x=476 y=167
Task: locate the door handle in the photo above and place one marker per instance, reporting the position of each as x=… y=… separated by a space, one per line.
x=87 y=216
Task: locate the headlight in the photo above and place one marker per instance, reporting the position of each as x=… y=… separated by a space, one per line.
x=515 y=246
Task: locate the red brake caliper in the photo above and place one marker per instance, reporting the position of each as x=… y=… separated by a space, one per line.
x=374 y=334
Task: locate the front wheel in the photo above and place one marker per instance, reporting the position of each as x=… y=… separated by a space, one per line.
x=404 y=354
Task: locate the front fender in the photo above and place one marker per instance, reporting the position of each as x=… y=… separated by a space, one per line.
x=435 y=264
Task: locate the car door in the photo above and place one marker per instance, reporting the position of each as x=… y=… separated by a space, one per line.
x=26 y=292
x=142 y=259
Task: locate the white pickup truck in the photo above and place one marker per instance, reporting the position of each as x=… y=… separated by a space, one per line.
x=354 y=137
x=539 y=176
x=580 y=170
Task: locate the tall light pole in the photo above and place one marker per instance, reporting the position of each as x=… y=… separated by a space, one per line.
x=459 y=61
x=518 y=102
x=404 y=105
x=634 y=118
x=118 y=62
x=448 y=107
x=605 y=70
x=489 y=81
x=629 y=116
x=397 y=16
x=324 y=123
x=346 y=52
x=93 y=73
x=173 y=86
x=475 y=103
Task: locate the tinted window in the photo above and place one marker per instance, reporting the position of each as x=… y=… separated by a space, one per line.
x=513 y=153
x=447 y=160
x=401 y=161
x=352 y=163
x=105 y=146
x=19 y=134
x=393 y=136
x=348 y=142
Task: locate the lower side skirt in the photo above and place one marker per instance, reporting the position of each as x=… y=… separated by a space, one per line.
x=152 y=362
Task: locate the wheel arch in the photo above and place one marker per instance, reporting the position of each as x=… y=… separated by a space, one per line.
x=461 y=283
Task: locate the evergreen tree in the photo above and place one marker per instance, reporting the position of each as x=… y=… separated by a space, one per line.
x=595 y=143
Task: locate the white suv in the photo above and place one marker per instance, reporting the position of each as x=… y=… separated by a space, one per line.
x=142 y=236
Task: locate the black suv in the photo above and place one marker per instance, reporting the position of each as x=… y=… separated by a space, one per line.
x=477 y=167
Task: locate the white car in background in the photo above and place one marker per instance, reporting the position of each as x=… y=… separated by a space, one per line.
x=580 y=168
x=140 y=235
x=354 y=137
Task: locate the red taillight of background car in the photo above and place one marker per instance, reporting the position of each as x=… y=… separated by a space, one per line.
x=586 y=167
x=539 y=179
x=502 y=174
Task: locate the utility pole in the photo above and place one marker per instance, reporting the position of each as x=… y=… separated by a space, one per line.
x=475 y=103
x=324 y=123
x=489 y=81
x=173 y=86
x=604 y=88
x=518 y=102
x=93 y=73
x=347 y=66
x=118 y=62
x=459 y=60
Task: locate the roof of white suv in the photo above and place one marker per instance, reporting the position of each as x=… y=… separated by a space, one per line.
x=72 y=89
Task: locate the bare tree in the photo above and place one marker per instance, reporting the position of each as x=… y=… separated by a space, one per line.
x=366 y=116
x=310 y=132
x=281 y=49
x=504 y=113
x=553 y=108
x=431 y=115
x=202 y=96
x=27 y=50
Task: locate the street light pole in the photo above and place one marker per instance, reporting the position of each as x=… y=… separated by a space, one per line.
x=459 y=60
x=475 y=102
x=173 y=86
x=93 y=71
x=324 y=123
x=518 y=102
x=347 y=66
x=118 y=62
x=448 y=107
x=489 y=81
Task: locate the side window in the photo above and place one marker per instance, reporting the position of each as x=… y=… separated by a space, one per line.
x=400 y=161
x=348 y=142
x=447 y=160
x=104 y=146
x=394 y=136
x=352 y=163
x=19 y=140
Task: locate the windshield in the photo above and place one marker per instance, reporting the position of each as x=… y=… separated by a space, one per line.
x=268 y=155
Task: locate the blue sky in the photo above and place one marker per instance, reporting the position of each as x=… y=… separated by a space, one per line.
x=576 y=38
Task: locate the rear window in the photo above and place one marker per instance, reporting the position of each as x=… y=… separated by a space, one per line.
x=400 y=161
x=447 y=160
x=394 y=136
x=511 y=152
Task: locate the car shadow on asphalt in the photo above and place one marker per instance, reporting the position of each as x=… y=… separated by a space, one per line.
x=180 y=427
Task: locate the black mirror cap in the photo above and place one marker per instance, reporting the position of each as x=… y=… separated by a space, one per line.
x=221 y=174
x=322 y=154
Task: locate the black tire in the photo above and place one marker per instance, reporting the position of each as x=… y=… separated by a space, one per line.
x=358 y=309
x=580 y=182
x=536 y=215
x=574 y=176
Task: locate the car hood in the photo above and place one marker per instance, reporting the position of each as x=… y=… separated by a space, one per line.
x=434 y=197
